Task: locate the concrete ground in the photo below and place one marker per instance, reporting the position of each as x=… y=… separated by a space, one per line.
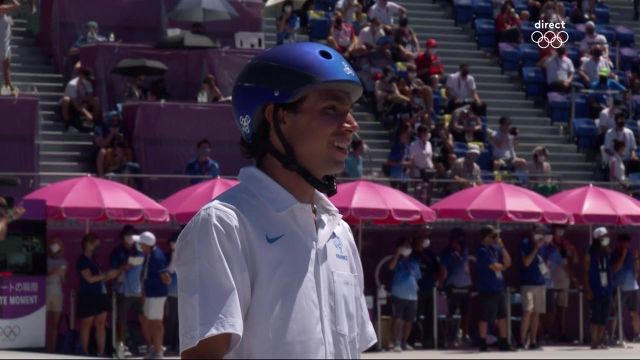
x=550 y=352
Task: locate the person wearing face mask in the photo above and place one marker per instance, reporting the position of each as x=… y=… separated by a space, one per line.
x=127 y=260
x=93 y=301
x=617 y=170
x=203 y=164
x=591 y=39
x=431 y=278
x=369 y=37
x=404 y=291
x=421 y=155
x=341 y=36
x=534 y=273
x=621 y=133
x=288 y=24
x=540 y=167
x=456 y=272
x=406 y=40
x=91 y=36
x=171 y=336
x=386 y=10
x=461 y=91
x=598 y=285
x=429 y=66
x=560 y=256
x=56 y=276
x=590 y=69
x=464 y=171
x=626 y=267
x=560 y=71
x=492 y=261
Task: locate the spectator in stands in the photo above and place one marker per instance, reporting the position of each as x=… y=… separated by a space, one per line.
x=6 y=8
x=508 y=24
x=368 y=37
x=533 y=276
x=457 y=275
x=119 y=161
x=127 y=260
x=171 y=315
x=348 y=9
x=464 y=171
x=158 y=90
x=360 y=20
x=80 y=107
x=385 y=10
x=591 y=39
x=104 y=138
x=461 y=90
x=404 y=291
x=605 y=90
x=421 y=155
x=210 y=92
x=443 y=145
x=406 y=39
x=93 y=301
x=552 y=12
x=598 y=286
x=621 y=133
x=591 y=67
x=156 y=279
x=288 y=24
x=387 y=92
x=342 y=37
x=493 y=260
x=561 y=256
x=465 y=125
x=8 y=215
x=617 y=170
x=398 y=161
x=136 y=89
x=626 y=266
x=56 y=276
x=431 y=278
x=353 y=165
x=203 y=164
x=92 y=36
x=540 y=167
x=606 y=120
x=430 y=68
x=504 y=151
x=560 y=71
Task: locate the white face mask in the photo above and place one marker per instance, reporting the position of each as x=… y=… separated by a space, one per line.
x=605 y=241
x=426 y=243
x=55 y=248
x=288 y=9
x=548 y=238
x=406 y=251
x=538 y=237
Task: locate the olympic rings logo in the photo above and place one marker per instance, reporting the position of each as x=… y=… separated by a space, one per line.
x=550 y=38
x=9 y=332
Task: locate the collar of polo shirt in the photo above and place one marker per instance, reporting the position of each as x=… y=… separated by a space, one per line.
x=276 y=196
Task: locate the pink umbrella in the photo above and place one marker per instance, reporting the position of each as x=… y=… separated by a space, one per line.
x=93 y=199
x=594 y=205
x=500 y=202
x=184 y=204
x=361 y=200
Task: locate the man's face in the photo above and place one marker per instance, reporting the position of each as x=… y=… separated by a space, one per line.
x=506 y=126
x=204 y=151
x=92 y=31
x=472 y=157
x=128 y=241
x=320 y=131
x=145 y=248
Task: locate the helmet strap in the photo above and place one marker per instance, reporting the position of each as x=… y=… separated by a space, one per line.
x=288 y=160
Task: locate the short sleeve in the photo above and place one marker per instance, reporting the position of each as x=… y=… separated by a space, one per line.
x=83 y=264
x=570 y=65
x=472 y=82
x=71 y=90
x=213 y=278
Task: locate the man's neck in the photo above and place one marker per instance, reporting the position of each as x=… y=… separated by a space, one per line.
x=289 y=180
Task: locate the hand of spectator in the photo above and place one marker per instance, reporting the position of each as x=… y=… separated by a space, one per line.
x=126 y=267
x=634 y=156
x=87 y=114
x=112 y=274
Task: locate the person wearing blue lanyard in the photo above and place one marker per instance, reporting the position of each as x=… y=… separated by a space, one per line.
x=626 y=266
x=404 y=291
x=598 y=285
x=493 y=260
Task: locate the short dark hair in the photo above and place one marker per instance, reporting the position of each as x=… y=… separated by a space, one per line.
x=403 y=241
x=487 y=230
x=422 y=129
x=620 y=114
x=504 y=120
x=203 y=142
x=128 y=230
x=86 y=239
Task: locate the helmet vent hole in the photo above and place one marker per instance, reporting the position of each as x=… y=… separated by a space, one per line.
x=325 y=54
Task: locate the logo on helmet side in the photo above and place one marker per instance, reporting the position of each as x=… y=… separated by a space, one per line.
x=347 y=69
x=245 y=122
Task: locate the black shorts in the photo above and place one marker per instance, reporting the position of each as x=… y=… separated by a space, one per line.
x=92 y=305
x=629 y=300
x=600 y=306
x=458 y=300
x=404 y=309
x=492 y=306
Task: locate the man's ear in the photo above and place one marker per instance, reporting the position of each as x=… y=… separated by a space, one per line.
x=268 y=114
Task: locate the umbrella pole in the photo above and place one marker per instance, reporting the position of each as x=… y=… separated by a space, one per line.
x=590 y=234
x=360 y=239
x=86 y=226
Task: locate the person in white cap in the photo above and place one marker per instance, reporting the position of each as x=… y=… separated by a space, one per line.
x=465 y=171
x=598 y=285
x=156 y=280
x=591 y=39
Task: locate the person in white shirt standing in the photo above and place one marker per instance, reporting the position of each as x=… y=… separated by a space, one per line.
x=421 y=156
x=6 y=7
x=385 y=10
x=269 y=269
x=461 y=90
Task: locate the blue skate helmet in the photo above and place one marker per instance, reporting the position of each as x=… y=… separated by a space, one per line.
x=283 y=75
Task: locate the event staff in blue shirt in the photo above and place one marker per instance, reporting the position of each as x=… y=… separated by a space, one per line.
x=533 y=277
x=457 y=275
x=598 y=277
x=404 y=291
x=626 y=266
x=493 y=260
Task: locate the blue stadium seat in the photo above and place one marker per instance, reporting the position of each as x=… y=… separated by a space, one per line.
x=602 y=13
x=582 y=106
x=627 y=57
x=485 y=160
x=608 y=31
x=558 y=107
x=463 y=11
x=485 y=33
x=585 y=132
x=509 y=56
x=636 y=105
x=529 y=54
x=572 y=31
x=482 y=9
x=324 y=5
x=526 y=27
x=625 y=36
x=534 y=81
x=521 y=5
x=437 y=101
x=573 y=52
x=319 y=23
x=633 y=126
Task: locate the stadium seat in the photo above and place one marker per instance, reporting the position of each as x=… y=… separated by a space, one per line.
x=460 y=149
x=636 y=106
x=482 y=9
x=573 y=52
x=627 y=57
x=608 y=31
x=602 y=13
x=529 y=54
x=582 y=105
x=534 y=81
x=319 y=23
x=572 y=31
x=585 y=133
x=521 y=5
x=625 y=36
x=558 y=107
x=509 y=56
x=324 y=5
x=485 y=33
x=633 y=126
x=463 y=11
x=526 y=27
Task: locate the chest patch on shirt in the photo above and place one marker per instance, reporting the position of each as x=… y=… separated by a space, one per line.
x=340 y=253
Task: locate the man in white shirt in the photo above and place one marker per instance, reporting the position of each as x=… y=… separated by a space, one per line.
x=421 y=155
x=368 y=38
x=621 y=133
x=269 y=269
x=79 y=100
x=6 y=7
x=504 y=151
x=592 y=65
x=592 y=38
x=461 y=90
x=560 y=71
x=385 y=10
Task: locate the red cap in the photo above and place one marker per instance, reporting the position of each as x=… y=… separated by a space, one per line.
x=431 y=43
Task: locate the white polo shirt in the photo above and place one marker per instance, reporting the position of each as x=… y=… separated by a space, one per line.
x=460 y=87
x=558 y=68
x=384 y=13
x=422 y=156
x=254 y=264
